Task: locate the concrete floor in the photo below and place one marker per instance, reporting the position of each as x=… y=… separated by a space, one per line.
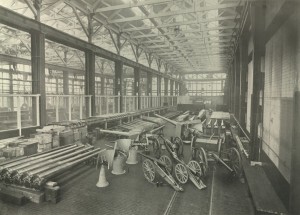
x=131 y=194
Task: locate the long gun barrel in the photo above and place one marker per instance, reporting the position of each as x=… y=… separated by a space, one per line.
x=17 y=175
x=166 y=119
x=34 y=155
x=42 y=178
x=6 y=173
x=28 y=159
x=29 y=176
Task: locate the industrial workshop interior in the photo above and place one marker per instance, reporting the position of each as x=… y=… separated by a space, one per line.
x=150 y=107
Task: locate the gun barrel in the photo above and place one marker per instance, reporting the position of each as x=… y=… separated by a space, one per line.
x=166 y=119
x=115 y=132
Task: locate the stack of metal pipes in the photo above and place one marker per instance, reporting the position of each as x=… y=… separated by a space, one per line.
x=34 y=171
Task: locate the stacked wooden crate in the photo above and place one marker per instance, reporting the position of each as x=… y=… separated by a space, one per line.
x=48 y=137
x=17 y=147
x=44 y=141
x=66 y=137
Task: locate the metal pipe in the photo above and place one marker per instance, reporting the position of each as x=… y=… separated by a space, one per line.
x=133 y=132
x=115 y=132
x=156 y=129
x=17 y=175
x=41 y=178
x=240 y=145
x=152 y=119
x=6 y=173
x=166 y=119
x=35 y=155
x=30 y=176
x=18 y=162
x=241 y=127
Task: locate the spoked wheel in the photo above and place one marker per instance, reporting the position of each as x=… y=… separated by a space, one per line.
x=156 y=148
x=179 y=144
x=195 y=166
x=203 y=161
x=181 y=173
x=235 y=161
x=168 y=162
x=149 y=170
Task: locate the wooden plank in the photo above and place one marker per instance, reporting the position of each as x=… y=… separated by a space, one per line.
x=32 y=195
x=264 y=197
x=263 y=194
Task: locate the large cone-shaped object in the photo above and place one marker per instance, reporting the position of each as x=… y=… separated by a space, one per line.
x=102 y=182
x=109 y=156
x=118 y=165
x=124 y=144
x=132 y=157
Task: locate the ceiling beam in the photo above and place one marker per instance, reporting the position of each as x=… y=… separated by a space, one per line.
x=131 y=5
x=16 y=20
x=192 y=31
x=174 y=13
x=181 y=23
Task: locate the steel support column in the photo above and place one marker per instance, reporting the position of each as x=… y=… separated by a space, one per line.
x=119 y=82
x=65 y=88
x=149 y=84
x=66 y=83
x=11 y=89
x=38 y=74
x=234 y=84
x=90 y=81
x=257 y=26
x=159 y=89
x=295 y=168
x=137 y=88
x=166 y=84
x=243 y=84
x=171 y=87
x=149 y=87
x=231 y=88
x=180 y=89
x=237 y=85
x=176 y=88
x=102 y=85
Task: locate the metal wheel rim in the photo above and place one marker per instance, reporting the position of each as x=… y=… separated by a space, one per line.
x=181 y=173
x=169 y=165
x=149 y=170
x=195 y=166
x=235 y=160
x=203 y=161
